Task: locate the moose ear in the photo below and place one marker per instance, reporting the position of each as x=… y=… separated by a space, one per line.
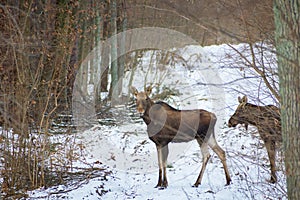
x=148 y=90
x=245 y=99
x=240 y=99
x=134 y=91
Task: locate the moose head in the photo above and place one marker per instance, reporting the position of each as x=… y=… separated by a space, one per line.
x=241 y=113
x=143 y=101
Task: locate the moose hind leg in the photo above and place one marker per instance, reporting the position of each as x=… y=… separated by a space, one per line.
x=270 y=145
x=165 y=153
x=205 y=158
x=221 y=154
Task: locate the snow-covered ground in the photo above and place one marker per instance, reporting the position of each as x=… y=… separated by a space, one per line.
x=209 y=79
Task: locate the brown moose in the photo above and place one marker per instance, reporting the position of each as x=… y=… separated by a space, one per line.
x=166 y=124
x=267 y=121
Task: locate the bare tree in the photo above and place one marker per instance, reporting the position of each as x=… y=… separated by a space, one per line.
x=36 y=70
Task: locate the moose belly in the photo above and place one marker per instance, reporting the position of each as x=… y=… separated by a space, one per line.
x=165 y=135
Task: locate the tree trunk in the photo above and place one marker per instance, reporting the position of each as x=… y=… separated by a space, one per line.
x=97 y=63
x=114 y=92
x=122 y=25
x=104 y=50
x=288 y=53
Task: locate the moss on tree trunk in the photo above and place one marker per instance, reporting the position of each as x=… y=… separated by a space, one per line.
x=288 y=48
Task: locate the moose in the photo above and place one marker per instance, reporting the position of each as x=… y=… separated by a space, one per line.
x=166 y=124
x=267 y=121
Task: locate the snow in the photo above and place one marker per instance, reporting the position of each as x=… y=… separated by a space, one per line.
x=124 y=148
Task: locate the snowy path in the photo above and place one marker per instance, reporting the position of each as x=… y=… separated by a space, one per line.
x=131 y=156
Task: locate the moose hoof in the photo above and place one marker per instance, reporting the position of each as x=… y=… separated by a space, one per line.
x=161 y=186
x=272 y=180
x=196 y=185
x=228 y=182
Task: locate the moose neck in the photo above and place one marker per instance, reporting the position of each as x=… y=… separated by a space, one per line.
x=146 y=116
x=252 y=115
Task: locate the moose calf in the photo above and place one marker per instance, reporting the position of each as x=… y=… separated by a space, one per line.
x=267 y=121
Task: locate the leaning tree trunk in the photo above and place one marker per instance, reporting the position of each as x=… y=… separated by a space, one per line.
x=287 y=18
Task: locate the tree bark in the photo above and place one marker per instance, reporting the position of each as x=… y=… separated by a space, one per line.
x=288 y=53
x=114 y=90
x=104 y=50
x=122 y=25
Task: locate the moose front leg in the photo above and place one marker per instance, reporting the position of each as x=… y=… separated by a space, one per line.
x=270 y=145
x=162 y=154
x=160 y=167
